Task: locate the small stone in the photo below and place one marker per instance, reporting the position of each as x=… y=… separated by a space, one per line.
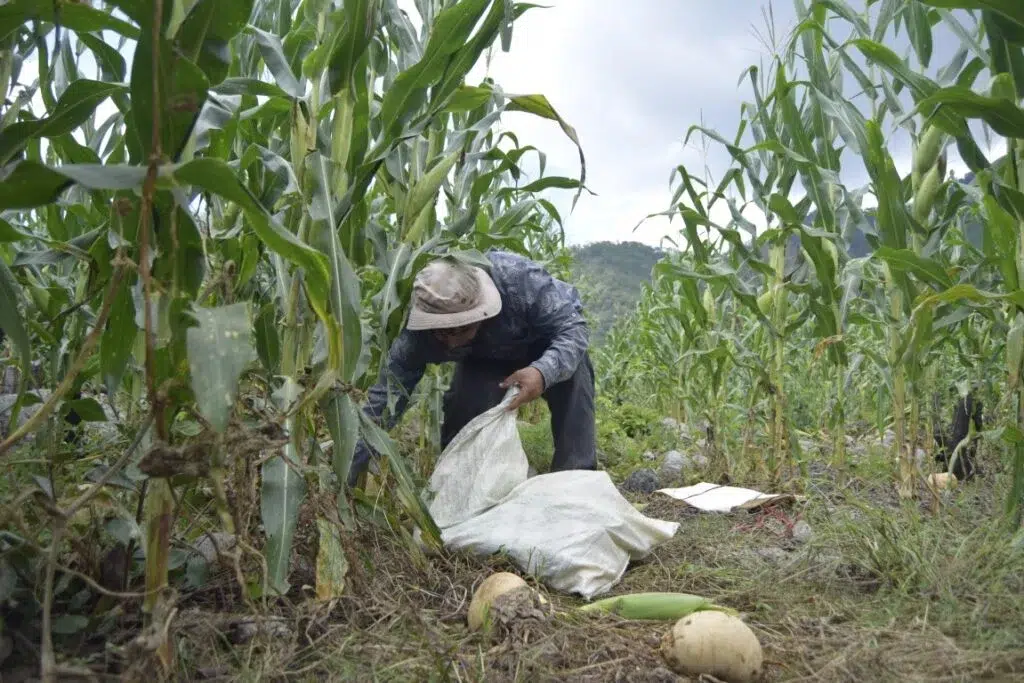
x=777 y=555
x=696 y=461
x=215 y=544
x=802 y=532
x=245 y=630
x=672 y=466
x=641 y=481
x=650 y=455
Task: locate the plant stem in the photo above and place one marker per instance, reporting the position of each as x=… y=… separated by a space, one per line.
x=83 y=355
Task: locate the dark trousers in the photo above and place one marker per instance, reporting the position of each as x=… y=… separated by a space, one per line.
x=475 y=389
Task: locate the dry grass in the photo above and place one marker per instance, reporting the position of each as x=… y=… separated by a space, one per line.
x=879 y=592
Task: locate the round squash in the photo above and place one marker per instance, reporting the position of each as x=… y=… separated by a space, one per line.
x=489 y=590
x=715 y=643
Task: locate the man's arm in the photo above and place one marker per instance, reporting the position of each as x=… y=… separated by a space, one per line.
x=401 y=373
x=405 y=365
x=554 y=312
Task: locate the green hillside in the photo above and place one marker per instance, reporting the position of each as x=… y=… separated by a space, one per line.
x=610 y=277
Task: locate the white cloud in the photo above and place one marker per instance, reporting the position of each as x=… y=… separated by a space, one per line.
x=632 y=82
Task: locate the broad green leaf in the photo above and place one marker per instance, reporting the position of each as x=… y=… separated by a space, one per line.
x=11 y=321
x=1005 y=117
x=268 y=343
x=538 y=105
x=907 y=260
x=340 y=413
x=9 y=233
x=547 y=183
x=273 y=55
x=69 y=624
x=215 y=176
x=351 y=41
x=218 y=351
x=32 y=184
x=1010 y=9
x=118 y=339
x=205 y=34
x=74 y=108
x=344 y=295
x=250 y=86
x=88 y=409
x=77 y=16
x=182 y=91
x=423 y=194
x=109 y=59
x=448 y=34
x=1002 y=230
x=377 y=439
x=281 y=495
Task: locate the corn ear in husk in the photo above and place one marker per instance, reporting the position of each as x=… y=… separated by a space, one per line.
x=654 y=606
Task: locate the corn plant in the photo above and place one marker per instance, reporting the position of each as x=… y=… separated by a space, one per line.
x=247 y=218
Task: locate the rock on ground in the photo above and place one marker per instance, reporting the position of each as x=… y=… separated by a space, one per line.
x=641 y=481
x=802 y=532
x=672 y=466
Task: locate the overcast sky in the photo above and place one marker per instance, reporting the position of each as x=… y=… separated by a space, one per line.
x=632 y=82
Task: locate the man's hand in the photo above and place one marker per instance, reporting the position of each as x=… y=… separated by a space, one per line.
x=531 y=385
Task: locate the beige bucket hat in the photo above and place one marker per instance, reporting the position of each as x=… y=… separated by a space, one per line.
x=448 y=293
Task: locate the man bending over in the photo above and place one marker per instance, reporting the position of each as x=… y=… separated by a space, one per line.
x=514 y=325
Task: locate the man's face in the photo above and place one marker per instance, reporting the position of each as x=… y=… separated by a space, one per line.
x=455 y=337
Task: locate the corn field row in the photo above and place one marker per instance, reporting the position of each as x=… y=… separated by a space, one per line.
x=219 y=234
x=738 y=322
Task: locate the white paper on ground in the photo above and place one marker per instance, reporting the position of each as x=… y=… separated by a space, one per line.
x=718 y=498
x=573 y=530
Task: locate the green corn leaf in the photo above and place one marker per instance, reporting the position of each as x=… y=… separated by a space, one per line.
x=424 y=193
x=343 y=424
x=118 y=339
x=344 y=294
x=448 y=34
x=1003 y=115
x=353 y=39
x=32 y=184
x=275 y=59
x=182 y=93
x=379 y=441
x=906 y=260
x=281 y=494
x=11 y=320
x=1009 y=9
x=218 y=351
x=204 y=35
x=215 y=176
x=74 y=108
x=78 y=17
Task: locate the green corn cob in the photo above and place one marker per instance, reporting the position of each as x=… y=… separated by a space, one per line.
x=654 y=606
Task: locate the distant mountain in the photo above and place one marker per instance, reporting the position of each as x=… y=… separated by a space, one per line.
x=610 y=277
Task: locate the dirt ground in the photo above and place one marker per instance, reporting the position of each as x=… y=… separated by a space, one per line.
x=846 y=585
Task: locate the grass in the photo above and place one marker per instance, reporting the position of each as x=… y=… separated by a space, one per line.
x=880 y=591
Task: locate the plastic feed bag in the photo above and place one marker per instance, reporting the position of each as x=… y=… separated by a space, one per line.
x=571 y=529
